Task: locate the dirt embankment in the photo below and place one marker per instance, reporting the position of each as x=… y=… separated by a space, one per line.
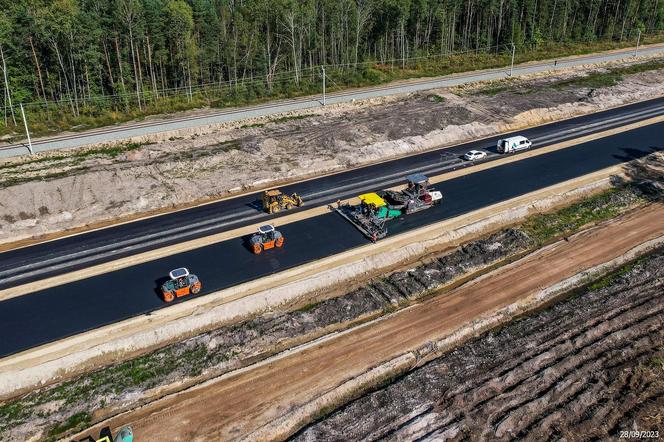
x=68 y=189
x=281 y=394
x=584 y=369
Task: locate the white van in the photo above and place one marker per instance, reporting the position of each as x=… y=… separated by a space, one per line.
x=513 y=144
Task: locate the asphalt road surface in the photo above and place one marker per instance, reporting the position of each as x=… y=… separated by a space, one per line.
x=136 y=129
x=79 y=251
x=44 y=316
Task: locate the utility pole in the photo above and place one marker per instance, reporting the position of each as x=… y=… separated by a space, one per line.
x=323 y=67
x=512 y=64
x=638 y=40
x=27 y=131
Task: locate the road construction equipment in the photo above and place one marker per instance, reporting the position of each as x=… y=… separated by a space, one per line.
x=125 y=434
x=274 y=201
x=415 y=197
x=182 y=283
x=266 y=238
x=375 y=209
x=370 y=216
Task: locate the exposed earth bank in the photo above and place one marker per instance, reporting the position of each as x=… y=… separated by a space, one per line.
x=584 y=369
x=69 y=189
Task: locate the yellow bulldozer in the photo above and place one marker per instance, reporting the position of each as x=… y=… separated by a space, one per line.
x=274 y=201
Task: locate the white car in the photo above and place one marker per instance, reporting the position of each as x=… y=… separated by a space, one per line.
x=474 y=155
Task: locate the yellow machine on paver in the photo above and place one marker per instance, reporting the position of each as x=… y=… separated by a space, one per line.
x=274 y=201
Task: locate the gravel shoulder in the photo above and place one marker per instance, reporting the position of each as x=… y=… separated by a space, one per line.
x=239 y=404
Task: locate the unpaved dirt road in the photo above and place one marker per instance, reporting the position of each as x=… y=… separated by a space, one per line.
x=240 y=404
x=588 y=368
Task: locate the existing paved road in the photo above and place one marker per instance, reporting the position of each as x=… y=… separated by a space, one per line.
x=79 y=251
x=125 y=131
x=37 y=318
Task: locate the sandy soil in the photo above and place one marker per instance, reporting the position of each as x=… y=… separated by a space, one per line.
x=240 y=404
x=65 y=190
x=585 y=369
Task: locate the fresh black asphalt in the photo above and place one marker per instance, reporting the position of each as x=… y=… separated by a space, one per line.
x=41 y=317
x=35 y=256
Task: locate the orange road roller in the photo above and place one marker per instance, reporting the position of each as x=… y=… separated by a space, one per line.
x=182 y=283
x=266 y=238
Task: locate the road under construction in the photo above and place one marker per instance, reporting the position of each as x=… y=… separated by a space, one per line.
x=79 y=251
x=63 y=310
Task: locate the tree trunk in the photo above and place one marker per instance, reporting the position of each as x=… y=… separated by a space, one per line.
x=64 y=74
x=108 y=66
x=153 y=77
x=39 y=74
x=362 y=17
x=124 y=89
x=73 y=81
x=133 y=61
x=8 y=94
x=139 y=68
x=290 y=27
x=87 y=81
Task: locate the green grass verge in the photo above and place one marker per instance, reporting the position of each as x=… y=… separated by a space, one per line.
x=601 y=207
x=77 y=421
x=594 y=80
x=613 y=277
x=609 y=78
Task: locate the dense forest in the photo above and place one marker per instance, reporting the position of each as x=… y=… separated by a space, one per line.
x=76 y=51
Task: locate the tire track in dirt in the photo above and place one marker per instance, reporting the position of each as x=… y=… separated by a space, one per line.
x=490 y=383
x=583 y=369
